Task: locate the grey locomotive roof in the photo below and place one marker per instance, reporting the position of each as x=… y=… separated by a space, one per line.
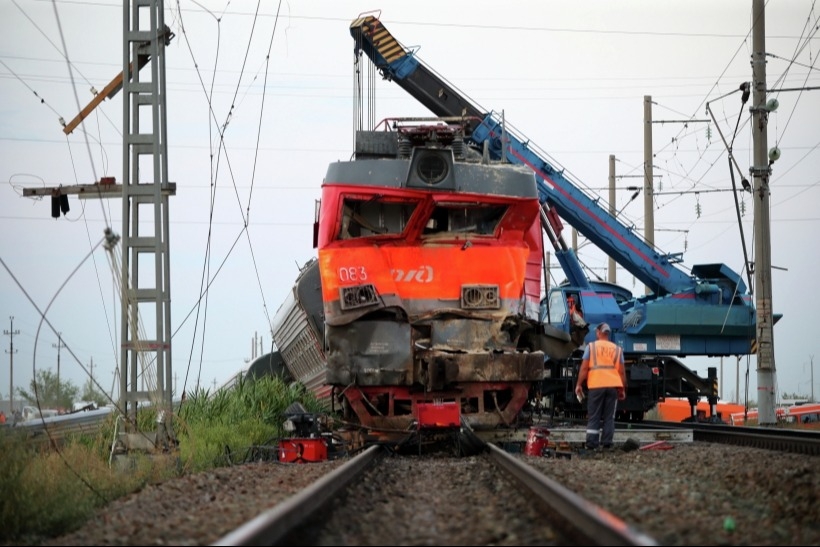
x=499 y=179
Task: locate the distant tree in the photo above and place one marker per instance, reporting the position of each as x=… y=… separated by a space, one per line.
x=48 y=392
x=92 y=394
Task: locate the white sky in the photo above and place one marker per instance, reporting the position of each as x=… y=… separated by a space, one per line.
x=570 y=76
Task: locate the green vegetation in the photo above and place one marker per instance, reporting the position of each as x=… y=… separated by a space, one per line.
x=49 y=492
x=48 y=391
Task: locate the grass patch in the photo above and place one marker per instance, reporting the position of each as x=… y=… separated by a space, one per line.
x=47 y=492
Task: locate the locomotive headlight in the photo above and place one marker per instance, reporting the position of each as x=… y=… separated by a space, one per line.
x=480 y=297
x=432 y=167
x=289 y=426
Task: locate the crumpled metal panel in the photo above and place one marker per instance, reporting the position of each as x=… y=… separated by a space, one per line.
x=460 y=334
x=370 y=353
x=440 y=369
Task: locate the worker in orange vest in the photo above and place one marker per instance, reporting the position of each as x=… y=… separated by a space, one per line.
x=602 y=368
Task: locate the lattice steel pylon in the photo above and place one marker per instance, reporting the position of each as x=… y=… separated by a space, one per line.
x=145 y=361
x=145 y=269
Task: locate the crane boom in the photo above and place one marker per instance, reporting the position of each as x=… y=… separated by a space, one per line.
x=705 y=310
x=584 y=213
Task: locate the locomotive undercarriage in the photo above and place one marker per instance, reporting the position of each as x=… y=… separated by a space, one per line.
x=480 y=405
x=384 y=371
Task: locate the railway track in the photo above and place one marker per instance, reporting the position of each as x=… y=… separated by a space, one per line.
x=687 y=493
x=564 y=516
x=559 y=513
x=796 y=441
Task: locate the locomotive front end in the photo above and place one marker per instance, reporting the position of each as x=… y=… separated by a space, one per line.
x=429 y=267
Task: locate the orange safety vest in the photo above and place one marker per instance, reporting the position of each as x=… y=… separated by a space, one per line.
x=604 y=365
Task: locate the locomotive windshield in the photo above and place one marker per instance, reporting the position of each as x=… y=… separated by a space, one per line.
x=374 y=216
x=481 y=219
x=369 y=216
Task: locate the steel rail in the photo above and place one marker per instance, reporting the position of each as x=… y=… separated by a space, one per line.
x=585 y=521
x=780 y=439
x=277 y=522
x=576 y=517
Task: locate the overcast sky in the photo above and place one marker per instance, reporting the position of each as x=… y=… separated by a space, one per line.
x=570 y=76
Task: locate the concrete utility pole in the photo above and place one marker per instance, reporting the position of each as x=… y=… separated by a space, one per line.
x=648 y=192
x=59 y=345
x=611 y=266
x=760 y=172
x=737 y=380
x=11 y=332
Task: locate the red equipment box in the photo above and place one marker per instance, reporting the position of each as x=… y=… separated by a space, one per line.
x=439 y=414
x=302 y=450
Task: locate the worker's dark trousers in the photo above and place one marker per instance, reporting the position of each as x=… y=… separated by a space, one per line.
x=601 y=406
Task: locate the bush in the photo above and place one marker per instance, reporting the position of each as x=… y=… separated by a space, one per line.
x=49 y=492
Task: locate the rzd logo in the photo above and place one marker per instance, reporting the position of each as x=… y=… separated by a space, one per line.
x=423 y=274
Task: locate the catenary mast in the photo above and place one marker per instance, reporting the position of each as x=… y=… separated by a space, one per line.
x=144 y=270
x=761 y=171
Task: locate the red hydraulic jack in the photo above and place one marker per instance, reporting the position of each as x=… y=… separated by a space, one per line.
x=658 y=445
x=537 y=442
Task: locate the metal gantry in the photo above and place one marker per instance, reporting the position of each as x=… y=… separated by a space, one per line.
x=144 y=271
x=146 y=373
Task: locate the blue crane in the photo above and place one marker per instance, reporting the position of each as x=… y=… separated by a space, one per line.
x=707 y=311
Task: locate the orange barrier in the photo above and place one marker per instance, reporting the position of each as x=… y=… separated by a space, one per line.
x=677 y=410
x=804 y=415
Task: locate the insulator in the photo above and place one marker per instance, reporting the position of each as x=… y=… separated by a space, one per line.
x=55 y=206
x=64 y=203
x=404 y=148
x=458 y=147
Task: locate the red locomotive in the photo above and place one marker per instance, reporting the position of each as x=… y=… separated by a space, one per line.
x=429 y=259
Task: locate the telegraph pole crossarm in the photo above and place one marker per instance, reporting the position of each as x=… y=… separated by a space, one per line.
x=112 y=88
x=106 y=188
